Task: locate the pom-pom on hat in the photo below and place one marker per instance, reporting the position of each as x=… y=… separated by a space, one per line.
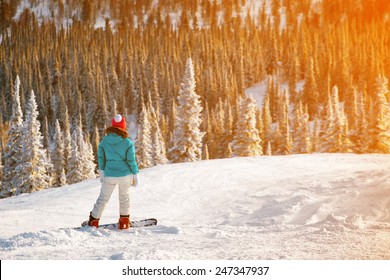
x=119 y=122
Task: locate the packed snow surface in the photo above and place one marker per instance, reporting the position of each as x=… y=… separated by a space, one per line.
x=320 y=206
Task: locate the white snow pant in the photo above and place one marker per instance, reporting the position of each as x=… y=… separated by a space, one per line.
x=108 y=186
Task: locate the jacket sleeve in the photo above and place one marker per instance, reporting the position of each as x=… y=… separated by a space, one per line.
x=131 y=160
x=101 y=157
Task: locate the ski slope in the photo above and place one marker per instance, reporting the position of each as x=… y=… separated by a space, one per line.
x=319 y=206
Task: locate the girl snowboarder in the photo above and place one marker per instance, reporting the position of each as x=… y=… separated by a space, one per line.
x=117 y=166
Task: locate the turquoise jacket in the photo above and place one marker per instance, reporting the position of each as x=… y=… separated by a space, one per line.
x=116 y=156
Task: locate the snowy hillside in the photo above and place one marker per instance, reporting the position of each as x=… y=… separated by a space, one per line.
x=318 y=206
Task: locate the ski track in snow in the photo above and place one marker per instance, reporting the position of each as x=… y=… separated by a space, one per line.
x=317 y=206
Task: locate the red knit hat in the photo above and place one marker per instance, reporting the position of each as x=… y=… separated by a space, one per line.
x=119 y=122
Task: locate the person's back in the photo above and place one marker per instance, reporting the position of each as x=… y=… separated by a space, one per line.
x=116 y=154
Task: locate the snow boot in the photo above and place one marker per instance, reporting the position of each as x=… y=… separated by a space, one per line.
x=92 y=222
x=124 y=222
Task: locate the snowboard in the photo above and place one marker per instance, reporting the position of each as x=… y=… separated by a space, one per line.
x=134 y=224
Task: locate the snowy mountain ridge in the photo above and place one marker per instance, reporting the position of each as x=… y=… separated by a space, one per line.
x=318 y=206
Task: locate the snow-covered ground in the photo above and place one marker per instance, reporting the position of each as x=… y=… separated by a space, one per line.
x=318 y=206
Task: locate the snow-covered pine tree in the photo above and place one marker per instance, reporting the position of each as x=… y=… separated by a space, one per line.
x=260 y=125
x=283 y=141
x=88 y=165
x=160 y=154
x=332 y=134
x=205 y=154
x=159 y=147
x=269 y=149
x=246 y=140
x=229 y=127
x=164 y=126
x=354 y=115
x=335 y=139
x=95 y=140
x=342 y=73
x=229 y=151
x=33 y=170
x=272 y=97
x=380 y=118
x=144 y=139
x=57 y=157
x=302 y=139
x=74 y=167
x=155 y=94
x=46 y=134
x=225 y=127
x=267 y=121
x=97 y=110
x=362 y=123
x=13 y=149
x=292 y=69
x=187 y=134
x=218 y=135
x=316 y=138
x=324 y=124
x=310 y=90
x=67 y=143
x=172 y=123
x=241 y=82
x=207 y=128
x=346 y=144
